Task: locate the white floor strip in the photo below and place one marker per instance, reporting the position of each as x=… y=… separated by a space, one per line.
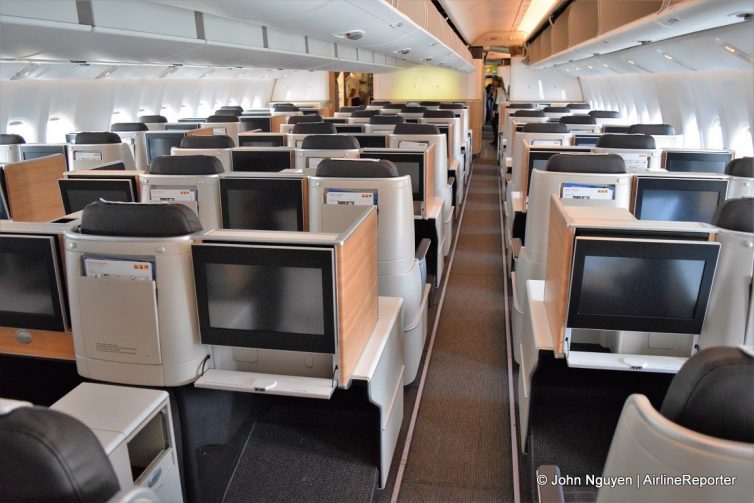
x=509 y=351
x=425 y=368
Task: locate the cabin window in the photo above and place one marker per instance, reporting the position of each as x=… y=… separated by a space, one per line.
x=22 y=128
x=57 y=128
x=715 y=135
x=743 y=142
x=691 y=134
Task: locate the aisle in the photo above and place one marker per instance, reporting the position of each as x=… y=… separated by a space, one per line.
x=460 y=449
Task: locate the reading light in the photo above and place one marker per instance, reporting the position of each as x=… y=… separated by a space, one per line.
x=403 y=51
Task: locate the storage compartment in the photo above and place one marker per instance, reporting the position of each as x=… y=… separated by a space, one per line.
x=582 y=21
x=616 y=13
x=148 y=444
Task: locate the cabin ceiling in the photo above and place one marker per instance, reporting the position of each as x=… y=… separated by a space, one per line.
x=488 y=22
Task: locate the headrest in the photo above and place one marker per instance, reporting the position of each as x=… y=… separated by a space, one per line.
x=735 y=215
x=429 y=103
x=386 y=119
x=416 y=129
x=152 y=119
x=223 y=118
x=743 y=167
x=330 y=142
x=630 y=141
x=11 y=139
x=128 y=126
x=586 y=163
x=297 y=119
x=656 y=129
x=224 y=111
x=380 y=103
x=544 y=127
x=451 y=106
x=46 y=455
x=232 y=107
x=208 y=141
x=365 y=113
x=578 y=106
x=557 y=110
x=413 y=110
x=186 y=165
x=520 y=105
x=439 y=114
x=712 y=394
x=285 y=107
x=314 y=128
x=148 y=220
x=604 y=114
x=577 y=119
x=394 y=106
x=528 y=113
x=347 y=168
x=96 y=138
x=350 y=109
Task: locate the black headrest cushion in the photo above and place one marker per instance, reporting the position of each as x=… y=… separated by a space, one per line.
x=207 y=141
x=297 y=119
x=712 y=394
x=577 y=119
x=285 y=107
x=578 y=106
x=223 y=118
x=394 y=106
x=429 y=103
x=96 y=138
x=232 y=107
x=451 y=106
x=330 y=142
x=380 y=103
x=128 y=126
x=224 y=111
x=386 y=119
x=152 y=119
x=46 y=455
x=557 y=110
x=520 y=105
x=365 y=113
x=138 y=220
x=528 y=113
x=314 y=128
x=439 y=114
x=544 y=127
x=586 y=163
x=656 y=129
x=416 y=129
x=743 y=167
x=186 y=165
x=604 y=114
x=11 y=139
x=413 y=110
x=629 y=141
x=363 y=168
x=350 y=109
x=735 y=215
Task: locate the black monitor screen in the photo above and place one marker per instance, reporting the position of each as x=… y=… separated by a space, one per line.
x=615 y=129
x=408 y=163
x=262 y=140
x=160 y=144
x=268 y=161
x=193 y=119
x=586 y=139
x=77 y=193
x=697 y=162
x=4 y=211
x=251 y=123
x=349 y=128
x=270 y=204
x=647 y=286
x=678 y=199
x=368 y=140
x=31 y=295
x=336 y=120
x=265 y=297
x=29 y=152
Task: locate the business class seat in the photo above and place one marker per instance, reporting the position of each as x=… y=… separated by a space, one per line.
x=664 y=134
x=229 y=125
x=392 y=108
x=521 y=106
x=316 y=147
x=213 y=145
x=132 y=134
x=730 y=314
x=383 y=123
x=703 y=429
x=92 y=149
x=192 y=180
x=562 y=169
x=456 y=146
x=401 y=266
x=225 y=111
x=362 y=116
x=582 y=107
x=520 y=116
x=298 y=119
x=741 y=173
x=639 y=150
x=556 y=112
x=443 y=188
x=412 y=112
x=121 y=333
x=606 y=117
x=154 y=122
x=237 y=108
x=285 y=107
x=579 y=123
x=430 y=105
x=303 y=129
x=9 y=147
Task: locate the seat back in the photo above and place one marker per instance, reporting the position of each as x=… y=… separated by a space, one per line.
x=150 y=242
x=563 y=174
x=534 y=138
x=153 y=122
x=136 y=140
x=741 y=172
x=9 y=147
x=316 y=147
x=637 y=150
x=46 y=455
x=607 y=117
x=93 y=149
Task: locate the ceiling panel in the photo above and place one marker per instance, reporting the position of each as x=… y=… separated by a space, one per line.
x=476 y=19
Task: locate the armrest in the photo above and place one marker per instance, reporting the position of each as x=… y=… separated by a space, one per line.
x=421 y=256
x=547 y=490
x=135 y=494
